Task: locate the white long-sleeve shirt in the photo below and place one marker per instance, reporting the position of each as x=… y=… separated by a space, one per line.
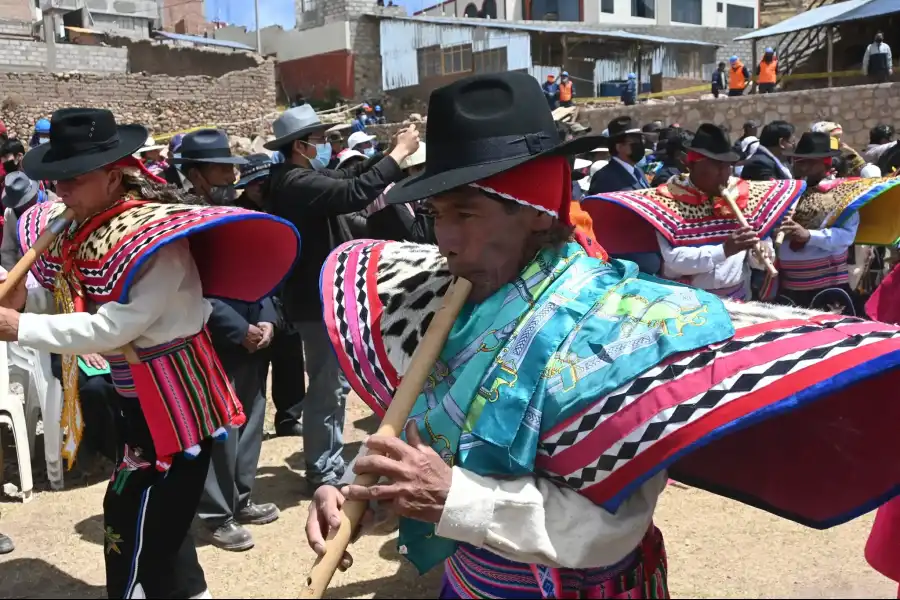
x=822 y=243
x=165 y=302
x=533 y=521
x=707 y=267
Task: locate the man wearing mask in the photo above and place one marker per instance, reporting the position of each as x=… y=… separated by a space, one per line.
x=41 y=133
x=719 y=80
x=813 y=258
x=767 y=72
x=11 y=154
x=671 y=149
x=359 y=123
x=238 y=330
x=313 y=198
x=630 y=91
x=362 y=142
x=877 y=61
x=881 y=139
x=768 y=162
x=19 y=194
x=626 y=148
x=566 y=90
x=739 y=77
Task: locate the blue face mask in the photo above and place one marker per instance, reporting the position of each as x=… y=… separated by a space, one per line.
x=369 y=152
x=323 y=157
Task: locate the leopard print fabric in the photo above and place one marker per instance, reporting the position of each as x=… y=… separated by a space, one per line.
x=819 y=209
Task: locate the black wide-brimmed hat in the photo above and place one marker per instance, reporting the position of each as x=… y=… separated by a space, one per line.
x=483 y=125
x=619 y=128
x=81 y=140
x=18 y=190
x=813 y=145
x=712 y=142
x=207 y=146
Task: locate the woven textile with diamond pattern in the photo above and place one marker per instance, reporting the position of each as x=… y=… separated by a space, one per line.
x=793 y=414
x=626 y=222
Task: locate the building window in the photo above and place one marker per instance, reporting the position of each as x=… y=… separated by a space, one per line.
x=687 y=11
x=308 y=5
x=435 y=61
x=643 y=8
x=743 y=17
x=490 y=61
x=608 y=6
x=719 y=7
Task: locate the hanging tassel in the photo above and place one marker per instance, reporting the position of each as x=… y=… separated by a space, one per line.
x=220 y=434
x=193 y=451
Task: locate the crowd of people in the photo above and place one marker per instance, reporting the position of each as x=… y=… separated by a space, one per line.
x=551 y=202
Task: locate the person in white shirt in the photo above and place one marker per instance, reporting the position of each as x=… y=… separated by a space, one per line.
x=813 y=259
x=877 y=62
x=724 y=268
x=126 y=284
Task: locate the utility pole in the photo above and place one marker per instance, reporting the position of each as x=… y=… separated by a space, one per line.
x=258 y=32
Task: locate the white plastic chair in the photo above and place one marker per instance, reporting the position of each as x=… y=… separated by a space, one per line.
x=43 y=400
x=13 y=414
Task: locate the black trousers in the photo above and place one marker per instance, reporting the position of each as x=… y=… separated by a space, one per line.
x=732 y=93
x=288 y=380
x=765 y=88
x=147 y=517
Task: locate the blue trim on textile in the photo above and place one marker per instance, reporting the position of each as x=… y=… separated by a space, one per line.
x=220 y=220
x=764 y=232
x=863 y=199
x=833 y=384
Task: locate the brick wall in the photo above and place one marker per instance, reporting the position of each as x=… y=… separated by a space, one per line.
x=12 y=28
x=162 y=103
x=857 y=109
x=17 y=10
x=20 y=55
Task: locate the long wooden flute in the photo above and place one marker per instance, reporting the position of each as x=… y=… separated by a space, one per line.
x=730 y=196
x=20 y=270
x=394 y=421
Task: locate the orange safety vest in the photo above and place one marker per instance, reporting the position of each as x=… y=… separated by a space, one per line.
x=768 y=72
x=737 y=81
x=565 y=91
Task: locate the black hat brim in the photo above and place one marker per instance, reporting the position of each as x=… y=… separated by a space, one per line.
x=811 y=155
x=39 y=164
x=279 y=143
x=222 y=160
x=726 y=157
x=429 y=184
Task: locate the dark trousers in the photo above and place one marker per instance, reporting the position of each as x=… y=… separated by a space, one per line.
x=735 y=92
x=288 y=380
x=881 y=77
x=765 y=88
x=229 y=481
x=147 y=517
x=567 y=103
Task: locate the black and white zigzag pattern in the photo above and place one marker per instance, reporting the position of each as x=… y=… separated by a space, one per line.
x=669 y=420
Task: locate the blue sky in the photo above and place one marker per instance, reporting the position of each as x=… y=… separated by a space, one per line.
x=273 y=12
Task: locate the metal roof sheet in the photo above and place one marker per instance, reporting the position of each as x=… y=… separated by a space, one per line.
x=549 y=27
x=197 y=39
x=810 y=19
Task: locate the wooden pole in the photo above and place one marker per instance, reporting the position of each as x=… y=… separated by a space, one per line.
x=830 y=68
x=755 y=59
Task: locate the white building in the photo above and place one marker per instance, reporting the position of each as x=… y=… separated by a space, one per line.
x=131 y=18
x=742 y=14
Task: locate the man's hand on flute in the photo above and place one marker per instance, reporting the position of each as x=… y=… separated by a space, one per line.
x=743 y=238
x=419 y=482
x=794 y=232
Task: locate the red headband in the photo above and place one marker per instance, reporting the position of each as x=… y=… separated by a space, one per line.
x=134 y=163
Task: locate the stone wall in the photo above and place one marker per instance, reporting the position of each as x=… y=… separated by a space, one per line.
x=365 y=39
x=857 y=109
x=164 y=104
x=161 y=58
x=21 y=55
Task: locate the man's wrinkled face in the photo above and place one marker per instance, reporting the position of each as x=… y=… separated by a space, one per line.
x=710 y=176
x=812 y=169
x=90 y=193
x=484 y=240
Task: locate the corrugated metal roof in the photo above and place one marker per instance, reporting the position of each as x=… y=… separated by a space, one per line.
x=810 y=19
x=204 y=41
x=550 y=27
x=869 y=10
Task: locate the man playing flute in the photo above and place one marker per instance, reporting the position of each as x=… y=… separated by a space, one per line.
x=128 y=284
x=570 y=385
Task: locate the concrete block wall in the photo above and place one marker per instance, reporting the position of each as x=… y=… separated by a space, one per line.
x=12 y=28
x=365 y=39
x=857 y=109
x=21 y=55
x=162 y=103
x=17 y=10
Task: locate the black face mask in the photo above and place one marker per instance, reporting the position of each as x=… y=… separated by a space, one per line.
x=10 y=166
x=768 y=58
x=637 y=152
x=879 y=39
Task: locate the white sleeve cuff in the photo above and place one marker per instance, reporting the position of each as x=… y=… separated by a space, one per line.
x=469 y=509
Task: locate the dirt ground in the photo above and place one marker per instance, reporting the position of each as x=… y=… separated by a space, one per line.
x=717 y=548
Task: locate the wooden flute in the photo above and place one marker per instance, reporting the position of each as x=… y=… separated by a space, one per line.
x=19 y=272
x=730 y=196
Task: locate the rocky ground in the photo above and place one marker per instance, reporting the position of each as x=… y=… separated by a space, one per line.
x=717 y=548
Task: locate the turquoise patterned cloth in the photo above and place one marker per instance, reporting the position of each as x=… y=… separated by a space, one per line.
x=567 y=332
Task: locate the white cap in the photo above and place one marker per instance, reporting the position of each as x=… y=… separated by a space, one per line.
x=348 y=154
x=870 y=170
x=414 y=159
x=581 y=163
x=357 y=138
